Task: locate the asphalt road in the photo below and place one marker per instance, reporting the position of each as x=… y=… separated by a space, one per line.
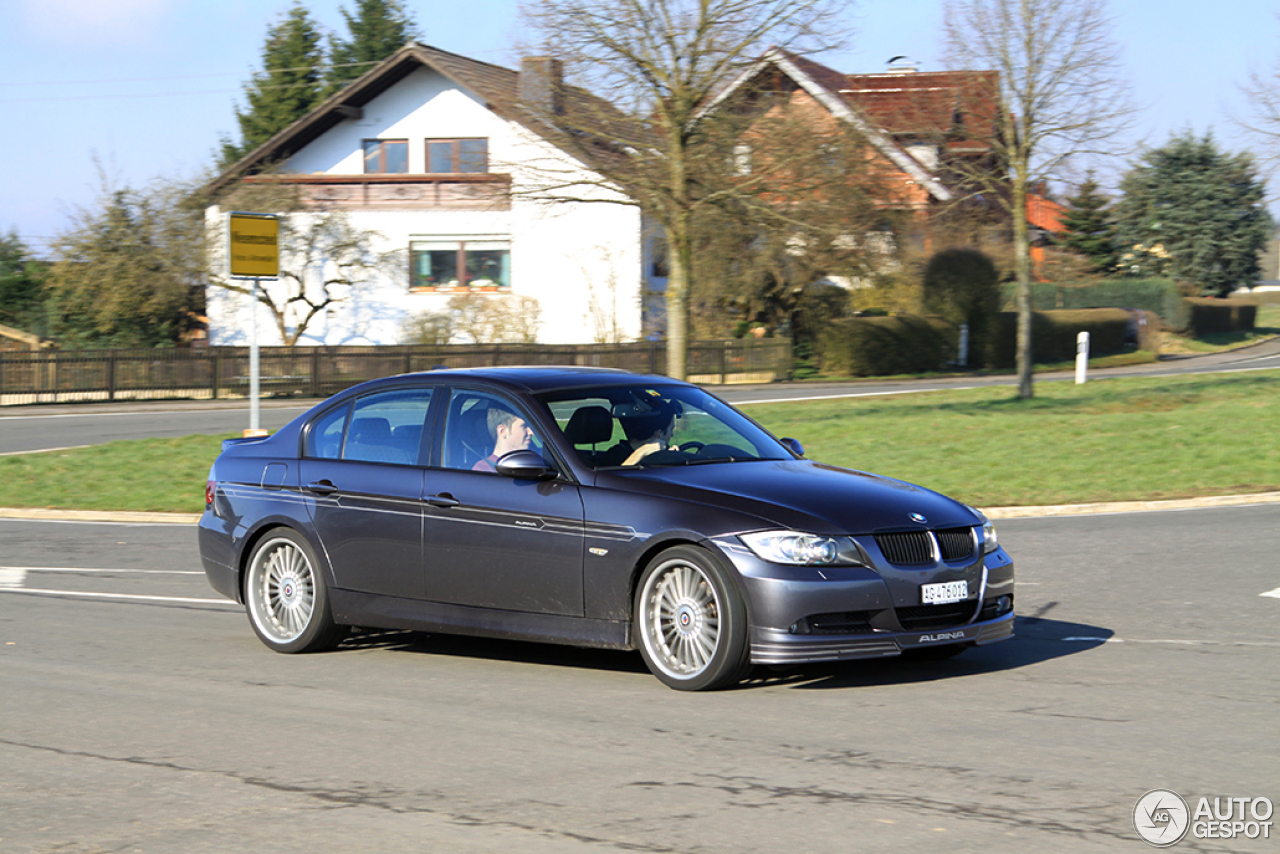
x=31 y=428
x=1146 y=657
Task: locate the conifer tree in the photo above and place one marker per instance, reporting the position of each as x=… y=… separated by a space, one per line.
x=378 y=29
x=290 y=84
x=1088 y=227
x=1195 y=213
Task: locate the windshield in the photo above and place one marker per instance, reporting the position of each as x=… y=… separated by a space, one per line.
x=641 y=426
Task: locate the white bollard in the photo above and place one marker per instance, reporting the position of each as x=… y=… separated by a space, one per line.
x=1082 y=357
x=962 y=358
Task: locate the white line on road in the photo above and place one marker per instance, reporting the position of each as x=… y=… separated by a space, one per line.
x=124 y=596
x=44 y=450
x=1087 y=639
x=1272 y=594
x=99 y=569
x=202 y=412
x=857 y=394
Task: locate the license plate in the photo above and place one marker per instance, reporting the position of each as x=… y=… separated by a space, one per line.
x=945 y=593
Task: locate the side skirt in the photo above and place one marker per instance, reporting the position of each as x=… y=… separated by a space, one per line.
x=387 y=612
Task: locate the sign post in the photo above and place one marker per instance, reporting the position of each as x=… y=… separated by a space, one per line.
x=253 y=252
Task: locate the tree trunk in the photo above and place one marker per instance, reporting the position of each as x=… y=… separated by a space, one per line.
x=680 y=257
x=1022 y=268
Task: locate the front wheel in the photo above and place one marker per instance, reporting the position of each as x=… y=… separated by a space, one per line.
x=690 y=621
x=286 y=596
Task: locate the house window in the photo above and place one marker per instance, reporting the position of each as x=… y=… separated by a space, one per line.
x=742 y=159
x=457 y=155
x=479 y=264
x=386 y=156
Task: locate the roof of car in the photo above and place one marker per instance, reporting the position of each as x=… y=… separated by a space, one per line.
x=538 y=378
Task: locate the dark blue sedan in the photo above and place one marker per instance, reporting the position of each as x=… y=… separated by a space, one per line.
x=590 y=507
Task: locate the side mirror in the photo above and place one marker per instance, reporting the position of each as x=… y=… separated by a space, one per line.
x=525 y=465
x=794 y=446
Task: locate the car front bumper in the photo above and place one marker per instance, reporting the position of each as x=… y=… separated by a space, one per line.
x=802 y=614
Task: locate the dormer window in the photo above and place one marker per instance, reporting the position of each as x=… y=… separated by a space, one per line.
x=457 y=155
x=383 y=156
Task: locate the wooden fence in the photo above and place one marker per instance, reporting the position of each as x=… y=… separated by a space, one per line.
x=54 y=376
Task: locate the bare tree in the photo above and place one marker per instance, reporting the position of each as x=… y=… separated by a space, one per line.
x=324 y=260
x=662 y=63
x=1060 y=95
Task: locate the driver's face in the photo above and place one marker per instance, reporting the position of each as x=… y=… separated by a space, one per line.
x=519 y=435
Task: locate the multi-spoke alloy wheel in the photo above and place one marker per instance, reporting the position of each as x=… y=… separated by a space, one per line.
x=690 y=621
x=287 y=600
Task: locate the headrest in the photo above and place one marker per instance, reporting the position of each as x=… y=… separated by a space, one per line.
x=589 y=425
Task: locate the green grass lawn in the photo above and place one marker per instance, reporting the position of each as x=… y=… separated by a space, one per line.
x=1108 y=440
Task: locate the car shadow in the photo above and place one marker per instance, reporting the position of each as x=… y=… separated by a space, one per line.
x=527 y=652
x=1035 y=640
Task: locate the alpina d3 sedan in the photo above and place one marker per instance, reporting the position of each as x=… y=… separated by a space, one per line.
x=591 y=507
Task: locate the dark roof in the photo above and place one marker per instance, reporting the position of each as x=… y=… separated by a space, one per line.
x=498 y=87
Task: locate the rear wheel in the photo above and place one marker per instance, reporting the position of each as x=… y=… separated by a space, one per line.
x=690 y=621
x=286 y=596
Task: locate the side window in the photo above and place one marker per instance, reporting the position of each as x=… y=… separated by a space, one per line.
x=324 y=438
x=387 y=427
x=481 y=427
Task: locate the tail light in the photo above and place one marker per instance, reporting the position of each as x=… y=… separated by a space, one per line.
x=210 y=487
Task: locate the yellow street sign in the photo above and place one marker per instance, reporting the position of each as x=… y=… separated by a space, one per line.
x=253 y=245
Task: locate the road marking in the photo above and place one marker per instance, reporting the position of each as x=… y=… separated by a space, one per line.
x=856 y=394
x=97 y=569
x=202 y=412
x=121 y=596
x=44 y=450
x=1088 y=639
x=1272 y=594
x=12 y=576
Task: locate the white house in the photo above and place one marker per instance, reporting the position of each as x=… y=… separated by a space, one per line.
x=443 y=158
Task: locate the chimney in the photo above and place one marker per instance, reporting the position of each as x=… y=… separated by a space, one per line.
x=541 y=85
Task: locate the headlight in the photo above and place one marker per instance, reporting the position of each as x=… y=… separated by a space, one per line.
x=793 y=547
x=990 y=542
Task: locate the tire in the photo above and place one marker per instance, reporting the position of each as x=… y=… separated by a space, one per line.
x=286 y=596
x=690 y=622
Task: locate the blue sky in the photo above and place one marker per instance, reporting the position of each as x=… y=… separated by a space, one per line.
x=146 y=87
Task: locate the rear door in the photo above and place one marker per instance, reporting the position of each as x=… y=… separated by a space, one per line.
x=363 y=481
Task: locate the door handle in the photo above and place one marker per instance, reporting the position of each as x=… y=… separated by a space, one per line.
x=322 y=487
x=444 y=499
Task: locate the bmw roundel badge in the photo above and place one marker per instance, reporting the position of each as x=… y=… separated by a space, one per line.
x=916 y=517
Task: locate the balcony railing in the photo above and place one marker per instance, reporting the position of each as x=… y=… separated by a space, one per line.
x=455 y=192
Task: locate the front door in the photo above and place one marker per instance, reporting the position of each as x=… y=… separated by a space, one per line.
x=493 y=541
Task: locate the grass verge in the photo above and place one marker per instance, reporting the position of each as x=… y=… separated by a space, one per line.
x=1108 y=440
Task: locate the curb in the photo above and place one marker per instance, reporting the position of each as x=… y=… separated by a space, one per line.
x=1034 y=512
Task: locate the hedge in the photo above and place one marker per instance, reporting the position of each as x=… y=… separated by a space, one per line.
x=1053 y=333
x=1160 y=296
x=878 y=346
x=1217 y=315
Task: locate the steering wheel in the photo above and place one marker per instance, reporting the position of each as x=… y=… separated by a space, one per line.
x=692 y=446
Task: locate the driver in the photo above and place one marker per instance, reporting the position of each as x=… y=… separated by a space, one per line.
x=509 y=433
x=647 y=433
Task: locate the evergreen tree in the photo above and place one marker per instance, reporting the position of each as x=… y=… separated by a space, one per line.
x=378 y=29
x=21 y=285
x=1195 y=213
x=1089 y=230
x=290 y=84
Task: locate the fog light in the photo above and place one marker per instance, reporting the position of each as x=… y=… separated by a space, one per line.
x=1004 y=605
